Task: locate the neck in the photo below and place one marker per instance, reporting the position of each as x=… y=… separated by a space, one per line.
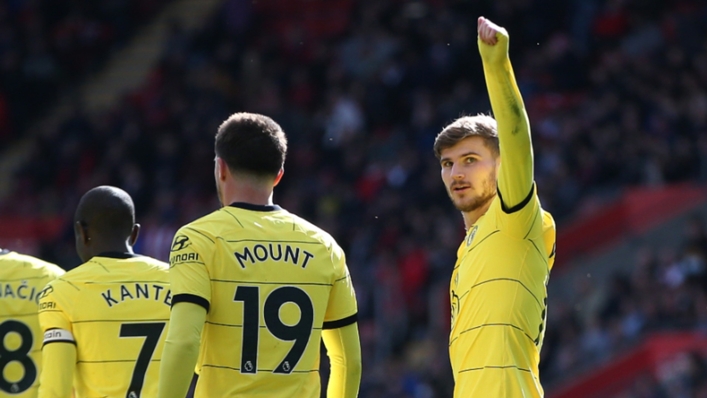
x=471 y=217
x=248 y=191
x=115 y=247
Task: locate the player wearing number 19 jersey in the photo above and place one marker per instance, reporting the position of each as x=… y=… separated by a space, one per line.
x=271 y=282
x=264 y=285
x=104 y=322
x=498 y=288
x=22 y=278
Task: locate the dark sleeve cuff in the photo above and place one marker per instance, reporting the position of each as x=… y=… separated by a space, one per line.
x=519 y=206
x=58 y=341
x=191 y=298
x=341 y=322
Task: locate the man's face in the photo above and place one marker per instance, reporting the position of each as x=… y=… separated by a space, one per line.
x=469 y=173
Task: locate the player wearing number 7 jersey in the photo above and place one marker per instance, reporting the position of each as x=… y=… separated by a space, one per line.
x=22 y=278
x=257 y=288
x=104 y=322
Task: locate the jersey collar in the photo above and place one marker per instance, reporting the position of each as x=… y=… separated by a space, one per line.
x=250 y=206
x=118 y=255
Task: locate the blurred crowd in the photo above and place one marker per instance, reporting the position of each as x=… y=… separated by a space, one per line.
x=664 y=289
x=616 y=91
x=47 y=46
x=682 y=376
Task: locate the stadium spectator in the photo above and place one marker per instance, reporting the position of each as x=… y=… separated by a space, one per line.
x=45 y=46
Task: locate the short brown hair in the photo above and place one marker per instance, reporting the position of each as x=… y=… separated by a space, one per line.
x=481 y=125
x=252 y=143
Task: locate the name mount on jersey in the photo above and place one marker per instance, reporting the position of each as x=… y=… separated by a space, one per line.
x=273 y=252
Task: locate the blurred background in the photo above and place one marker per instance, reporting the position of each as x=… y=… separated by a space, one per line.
x=130 y=93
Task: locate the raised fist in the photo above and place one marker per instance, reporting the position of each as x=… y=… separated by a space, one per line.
x=493 y=41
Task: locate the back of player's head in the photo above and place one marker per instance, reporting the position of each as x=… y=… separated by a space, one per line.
x=108 y=212
x=251 y=143
x=481 y=125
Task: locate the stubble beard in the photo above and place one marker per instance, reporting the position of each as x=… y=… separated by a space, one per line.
x=488 y=193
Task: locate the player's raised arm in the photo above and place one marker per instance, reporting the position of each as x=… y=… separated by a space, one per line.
x=515 y=177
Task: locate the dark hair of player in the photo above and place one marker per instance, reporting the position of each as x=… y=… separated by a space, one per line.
x=251 y=143
x=481 y=125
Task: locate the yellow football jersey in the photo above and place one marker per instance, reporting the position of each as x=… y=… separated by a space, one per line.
x=22 y=278
x=499 y=297
x=115 y=308
x=270 y=282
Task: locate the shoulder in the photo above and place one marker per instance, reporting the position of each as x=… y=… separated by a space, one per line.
x=206 y=227
x=53 y=271
x=88 y=271
x=314 y=232
x=35 y=264
x=495 y=210
x=205 y=221
x=548 y=221
x=55 y=289
x=153 y=262
x=156 y=267
x=525 y=212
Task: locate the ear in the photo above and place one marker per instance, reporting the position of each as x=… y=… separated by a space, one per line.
x=278 y=177
x=81 y=233
x=134 y=234
x=222 y=171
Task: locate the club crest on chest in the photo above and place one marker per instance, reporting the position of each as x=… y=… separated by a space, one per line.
x=470 y=236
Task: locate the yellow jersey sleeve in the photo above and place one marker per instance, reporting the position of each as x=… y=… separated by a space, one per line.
x=52 y=314
x=57 y=382
x=524 y=221
x=181 y=350
x=54 y=271
x=341 y=308
x=519 y=204
x=59 y=345
x=549 y=238
x=515 y=176
x=188 y=274
x=344 y=351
